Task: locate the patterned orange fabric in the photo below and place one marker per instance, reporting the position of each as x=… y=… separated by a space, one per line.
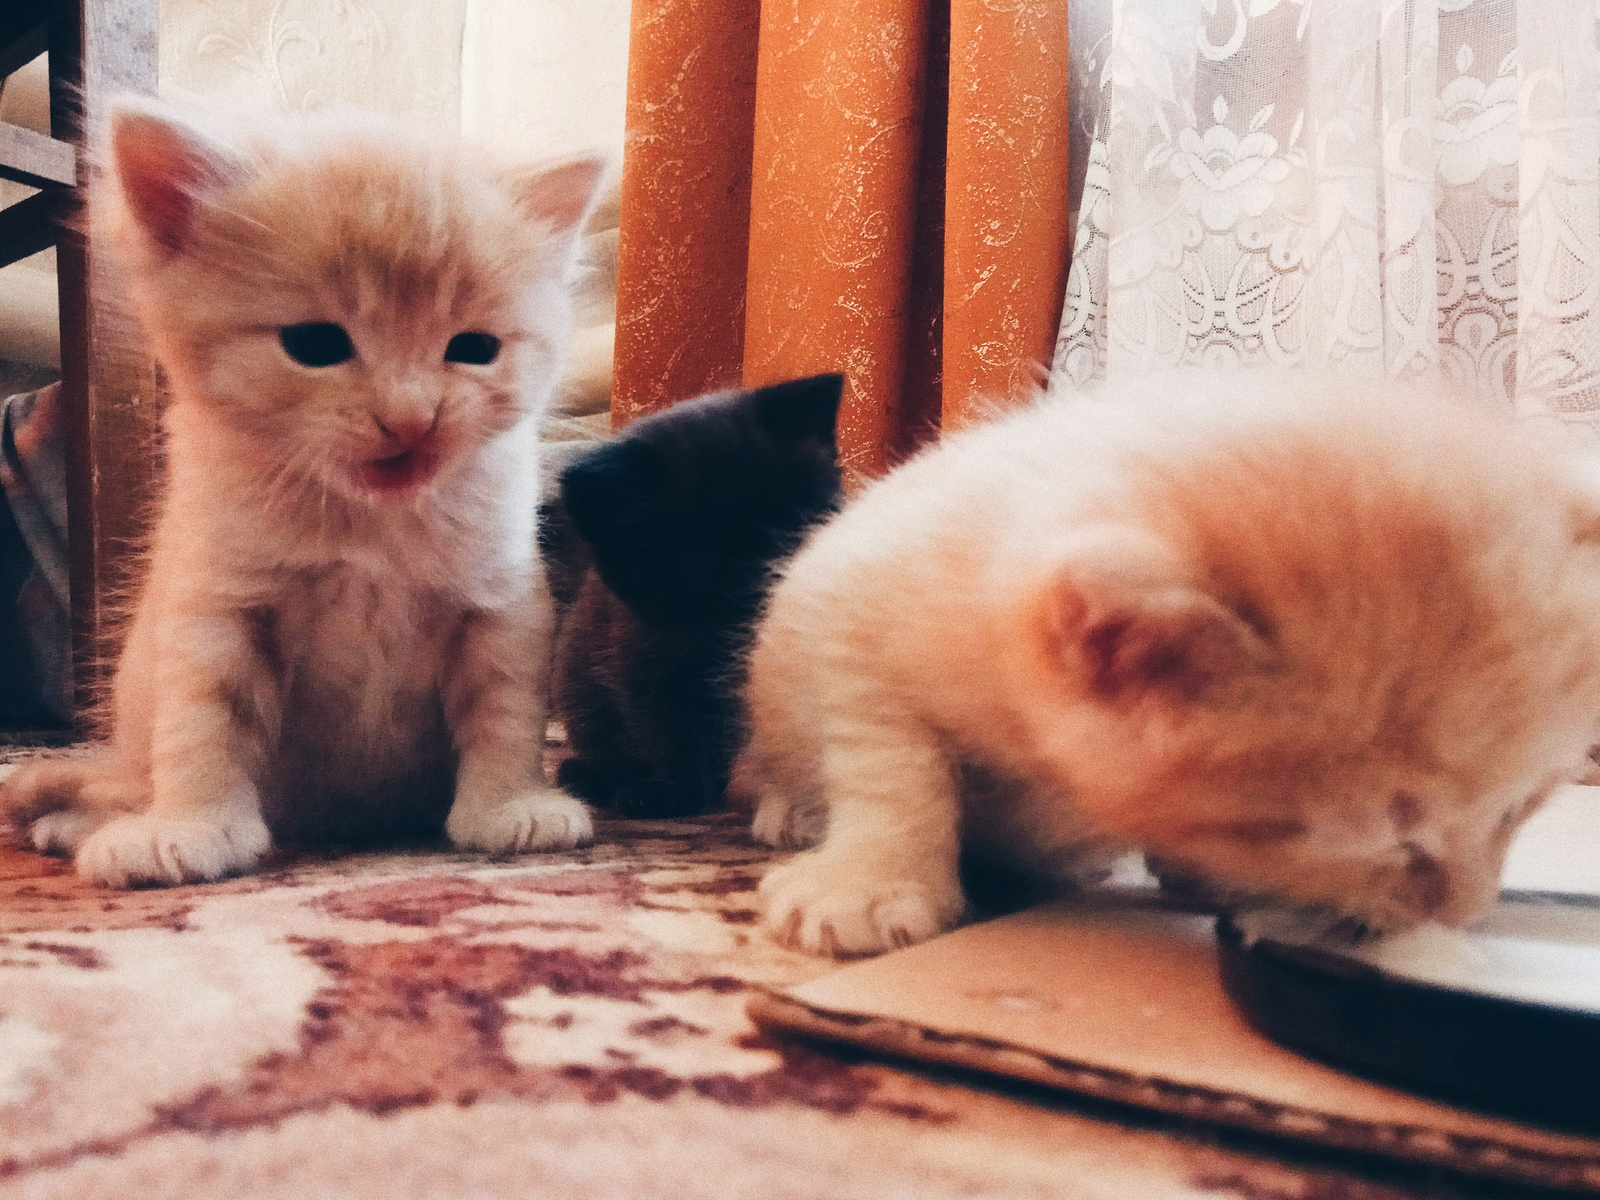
x=686 y=199
x=1006 y=233
x=904 y=199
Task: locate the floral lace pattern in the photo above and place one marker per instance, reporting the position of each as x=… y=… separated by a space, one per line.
x=399 y=56
x=1412 y=184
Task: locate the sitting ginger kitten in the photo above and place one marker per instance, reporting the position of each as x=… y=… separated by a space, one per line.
x=1313 y=641
x=343 y=627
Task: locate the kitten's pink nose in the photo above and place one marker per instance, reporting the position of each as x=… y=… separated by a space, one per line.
x=407 y=430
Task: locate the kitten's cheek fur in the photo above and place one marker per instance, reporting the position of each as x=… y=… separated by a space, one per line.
x=144 y=848
x=534 y=820
x=819 y=903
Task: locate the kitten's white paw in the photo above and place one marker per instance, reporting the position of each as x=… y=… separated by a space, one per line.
x=771 y=815
x=787 y=826
x=146 y=848
x=63 y=831
x=839 y=908
x=37 y=787
x=534 y=820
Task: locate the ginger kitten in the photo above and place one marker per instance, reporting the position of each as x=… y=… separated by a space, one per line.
x=1308 y=640
x=343 y=628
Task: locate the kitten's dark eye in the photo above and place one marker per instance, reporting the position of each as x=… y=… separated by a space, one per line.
x=475 y=348
x=316 y=344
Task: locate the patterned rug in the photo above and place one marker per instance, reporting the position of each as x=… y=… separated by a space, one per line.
x=423 y=1023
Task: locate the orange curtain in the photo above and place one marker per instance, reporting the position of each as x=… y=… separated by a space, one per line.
x=877 y=187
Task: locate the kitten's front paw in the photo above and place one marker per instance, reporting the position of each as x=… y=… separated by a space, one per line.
x=147 y=848
x=533 y=820
x=63 y=831
x=831 y=907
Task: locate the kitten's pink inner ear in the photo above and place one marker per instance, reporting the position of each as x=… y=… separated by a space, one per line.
x=1183 y=642
x=165 y=170
x=1137 y=627
x=559 y=196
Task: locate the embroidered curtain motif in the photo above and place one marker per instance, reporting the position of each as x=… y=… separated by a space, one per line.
x=1411 y=183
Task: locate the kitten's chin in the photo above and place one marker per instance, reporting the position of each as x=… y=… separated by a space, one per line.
x=1348 y=911
x=399 y=474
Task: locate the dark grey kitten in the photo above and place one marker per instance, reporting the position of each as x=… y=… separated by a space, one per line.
x=681 y=520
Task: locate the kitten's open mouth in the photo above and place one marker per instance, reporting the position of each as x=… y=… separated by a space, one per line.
x=399 y=472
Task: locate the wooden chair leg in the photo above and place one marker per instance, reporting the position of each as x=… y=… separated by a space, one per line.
x=109 y=388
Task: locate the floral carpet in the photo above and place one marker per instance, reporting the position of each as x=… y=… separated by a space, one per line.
x=425 y=1023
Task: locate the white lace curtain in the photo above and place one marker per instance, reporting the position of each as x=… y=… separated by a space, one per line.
x=1414 y=183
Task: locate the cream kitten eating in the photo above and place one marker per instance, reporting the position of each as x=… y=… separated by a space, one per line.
x=343 y=629
x=1310 y=641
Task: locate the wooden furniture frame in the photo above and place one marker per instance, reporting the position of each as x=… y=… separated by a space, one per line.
x=110 y=394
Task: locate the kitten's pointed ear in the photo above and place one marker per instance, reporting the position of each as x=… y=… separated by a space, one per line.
x=802 y=408
x=559 y=196
x=166 y=170
x=1122 y=611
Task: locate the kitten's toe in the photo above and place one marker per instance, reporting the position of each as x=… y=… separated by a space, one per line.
x=542 y=820
x=831 y=908
x=63 y=831
x=146 y=848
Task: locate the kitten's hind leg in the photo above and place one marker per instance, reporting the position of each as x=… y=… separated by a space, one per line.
x=45 y=785
x=785 y=818
x=787 y=823
x=64 y=800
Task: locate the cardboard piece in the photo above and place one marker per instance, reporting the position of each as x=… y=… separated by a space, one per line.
x=1120 y=999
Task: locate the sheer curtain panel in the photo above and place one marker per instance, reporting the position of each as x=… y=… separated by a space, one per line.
x=1411 y=183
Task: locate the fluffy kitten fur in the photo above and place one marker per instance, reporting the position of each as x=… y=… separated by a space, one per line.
x=1319 y=641
x=343 y=626
x=683 y=516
